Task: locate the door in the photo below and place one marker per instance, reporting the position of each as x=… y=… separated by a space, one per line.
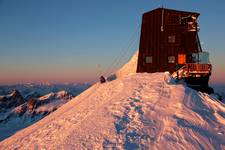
x=181 y=59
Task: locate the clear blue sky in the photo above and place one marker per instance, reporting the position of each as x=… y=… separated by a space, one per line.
x=77 y=40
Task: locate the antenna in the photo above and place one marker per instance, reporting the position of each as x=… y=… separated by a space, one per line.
x=162 y=19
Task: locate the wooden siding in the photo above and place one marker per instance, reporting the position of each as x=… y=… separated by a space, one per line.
x=158 y=30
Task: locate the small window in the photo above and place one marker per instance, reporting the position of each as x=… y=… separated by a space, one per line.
x=171 y=39
x=171 y=59
x=148 y=59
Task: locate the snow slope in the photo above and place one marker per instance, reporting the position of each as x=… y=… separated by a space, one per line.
x=129 y=68
x=135 y=111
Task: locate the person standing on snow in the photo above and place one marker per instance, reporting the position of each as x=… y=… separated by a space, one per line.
x=102 y=79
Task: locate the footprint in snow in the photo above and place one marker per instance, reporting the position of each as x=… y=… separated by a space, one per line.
x=135 y=99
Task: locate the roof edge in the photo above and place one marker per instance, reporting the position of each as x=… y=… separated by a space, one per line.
x=161 y=8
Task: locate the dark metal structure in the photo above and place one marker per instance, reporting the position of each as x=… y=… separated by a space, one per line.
x=168 y=39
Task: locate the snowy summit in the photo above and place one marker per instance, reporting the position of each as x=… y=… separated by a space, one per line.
x=136 y=111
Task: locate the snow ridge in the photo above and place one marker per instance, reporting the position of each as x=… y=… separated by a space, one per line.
x=139 y=111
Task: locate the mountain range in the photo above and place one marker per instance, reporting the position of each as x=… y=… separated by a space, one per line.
x=27 y=105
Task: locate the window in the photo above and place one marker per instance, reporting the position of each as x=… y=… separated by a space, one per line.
x=181 y=58
x=171 y=39
x=148 y=59
x=171 y=59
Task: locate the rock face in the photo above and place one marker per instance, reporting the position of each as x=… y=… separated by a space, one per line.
x=20 y=110
x=12 y=100
x=32 y=95
x=31 y=105
x=15 y=110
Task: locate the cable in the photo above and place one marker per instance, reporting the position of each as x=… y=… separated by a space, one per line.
x=123 y=53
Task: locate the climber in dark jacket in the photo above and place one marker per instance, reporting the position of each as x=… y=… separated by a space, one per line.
x=102 y=79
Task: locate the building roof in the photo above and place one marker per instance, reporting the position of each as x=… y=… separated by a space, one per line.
x=172 y=10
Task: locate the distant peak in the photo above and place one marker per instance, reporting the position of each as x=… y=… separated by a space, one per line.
x=15 y=93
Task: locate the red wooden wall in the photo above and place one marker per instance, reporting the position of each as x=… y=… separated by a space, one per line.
x=158 y=26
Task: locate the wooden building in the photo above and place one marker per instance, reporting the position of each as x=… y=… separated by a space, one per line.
x=168 y=39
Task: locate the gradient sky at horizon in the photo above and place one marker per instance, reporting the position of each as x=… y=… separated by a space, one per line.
x=77 y=40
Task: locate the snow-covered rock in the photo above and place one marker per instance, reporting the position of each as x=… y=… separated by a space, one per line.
x=11 y=100
x=136 y=111
x=30 y=111
x=32 y=94
x=47 y=96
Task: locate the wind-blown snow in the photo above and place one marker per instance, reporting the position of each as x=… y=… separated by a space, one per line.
x=135 y=111
x=129 y=68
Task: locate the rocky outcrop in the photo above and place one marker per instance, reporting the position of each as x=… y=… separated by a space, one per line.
x=31 y=105
x=12 y=100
